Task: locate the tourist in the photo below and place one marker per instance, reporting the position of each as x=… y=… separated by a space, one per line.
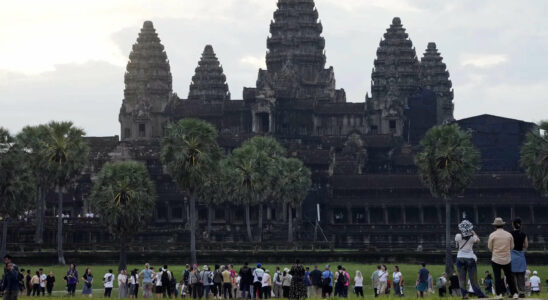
x=278 y=290
x=28 y=284
x=358 y=284
x=327 y=283
x=168 y=282
x=397 y=281
x=500 y=244
x=196 y=283
x=147 y=275
x=340 y=281
x=422 y=281
x=50 y=282
x=347 y=284
x=258 y=274
x=430 y=284
x=298 y=287
x=375 y=280
x=21 y=280
x=316 y=281
x=122 y=284
x=11 y=281
x=72 y=279
x=36 y=284
x=187 y=290
x=267 y=285
x=217 y=287
x=133 y=284
x=207 y=280
x=286 y=283
x=307 y=282
x=441 y=285
x=246 y=279
x=536 y=286
x=466 y=259
x=488 y=283
x=519 y=265
x=108 y=283
x=87 y=290
x=158 y=287
x=383 y=278
x=43 y=278
x=454 y=285
x=227 y=283
x=8 y=260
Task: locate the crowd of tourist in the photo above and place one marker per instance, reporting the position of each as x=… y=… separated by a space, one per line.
x=300 y=282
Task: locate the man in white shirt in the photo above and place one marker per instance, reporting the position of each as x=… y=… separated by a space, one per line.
x=258 y=275
x=108 y=281
x=43 y=278
x=535 y=283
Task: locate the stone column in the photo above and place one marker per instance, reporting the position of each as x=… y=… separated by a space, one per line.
x=349 y=213
x=476 y=214
x=532 y=210
x=440 y=216
x=421 y=214
x=385 y=212
x=512 y=213
x=403 y=216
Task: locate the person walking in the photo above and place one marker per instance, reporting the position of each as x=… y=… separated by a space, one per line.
x=316 y=281
x=500 y=244
x=422 y=281
x=397 y=281
x=267 y=285
x=375 y=280
x=36 y=284
x=11 y=282
x=298 y=288
x=327 y=283
x=518 y=262
x=358 y=284
x=466 y=259
x=50 y=282
x=72 y=279
x=87 y=289
x=147 y=275
x=122 y=284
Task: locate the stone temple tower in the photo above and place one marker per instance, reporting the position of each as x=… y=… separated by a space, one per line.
x=209 y=82
x=148 y=88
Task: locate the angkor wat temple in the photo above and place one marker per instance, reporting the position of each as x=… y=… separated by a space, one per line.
x=360 y=153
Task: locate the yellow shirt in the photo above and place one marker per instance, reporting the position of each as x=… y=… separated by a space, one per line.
x=227 y=276
x=500 y=244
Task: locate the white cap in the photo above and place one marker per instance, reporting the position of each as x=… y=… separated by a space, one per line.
x=535 y=273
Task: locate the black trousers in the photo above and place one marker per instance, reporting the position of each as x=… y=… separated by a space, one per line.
x=500 y=288
x=258 y=290
x=359 y=291
x=442 y=291
x=197 y=290
x=266 y=290
x=227 y=289
x=108 y=292
x=71 y=288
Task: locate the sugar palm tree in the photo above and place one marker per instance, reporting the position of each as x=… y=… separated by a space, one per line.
x=295 y=183
x=67 y=154
x=534 y=158
x=446 y=164
x=124 y=197
x=17 y=187
x=214 y=190
x=190 y=152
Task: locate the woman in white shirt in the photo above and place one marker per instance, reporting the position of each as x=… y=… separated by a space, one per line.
x=267 y=285
x=122 y=284
x=358 y=284
x=397 y=281
x=383 y=280
x=466 y=259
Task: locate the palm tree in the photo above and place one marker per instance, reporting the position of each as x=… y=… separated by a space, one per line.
x=190 y=152
x=17 y=186
x=534 y=158
x=446 y=164
x=31 y=139
x=294 y=186
x=67 y=154
x=214 y=191
x=124 y=197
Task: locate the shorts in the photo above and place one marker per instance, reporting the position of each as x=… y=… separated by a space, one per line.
x=422 y=287
x=159 y=289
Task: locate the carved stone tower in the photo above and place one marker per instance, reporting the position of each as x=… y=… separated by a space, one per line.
x=148 y=88
x=209 y=81
x=395 y=77
x=435 y=77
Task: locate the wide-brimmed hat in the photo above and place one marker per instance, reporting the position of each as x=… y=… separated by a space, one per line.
x=286 y=270
x=498 y=222
x=466 y=228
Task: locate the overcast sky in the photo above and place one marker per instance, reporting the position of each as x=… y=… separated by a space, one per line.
x=65 y=60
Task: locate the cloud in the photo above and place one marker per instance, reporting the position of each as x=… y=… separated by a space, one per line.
x=253 y=61
x=484 y=61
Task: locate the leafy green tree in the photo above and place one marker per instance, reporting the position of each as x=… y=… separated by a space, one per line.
x=31 y=139
x=16 y=183
x=534 y=158
x=67 y=154
x=215 y=190
x=190 y=152
x=294 y=186
x=124 y=197
x=446 y=164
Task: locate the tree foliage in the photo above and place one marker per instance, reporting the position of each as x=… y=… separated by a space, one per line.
x=295 y=181
x=534 y=158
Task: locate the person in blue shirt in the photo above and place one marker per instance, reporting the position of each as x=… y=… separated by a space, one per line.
x=327 y=282
x=307 y=282
x=422 y=280
x=11 y=282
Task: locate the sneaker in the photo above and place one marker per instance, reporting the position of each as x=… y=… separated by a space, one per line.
x=498 y=297
x=516 y=296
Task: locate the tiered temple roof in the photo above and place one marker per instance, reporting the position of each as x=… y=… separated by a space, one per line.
x=435 y=77
x=209 y=81
x=396 y=63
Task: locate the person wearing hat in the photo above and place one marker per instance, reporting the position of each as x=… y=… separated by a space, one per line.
x=207 y=280
x=535 y=283
x=500 y=244
x=258 y=275
x=466 y=259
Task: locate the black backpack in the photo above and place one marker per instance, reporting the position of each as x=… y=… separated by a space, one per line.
x=217 y=277
x=341 y=279
x=326 y=281
x=165 y=278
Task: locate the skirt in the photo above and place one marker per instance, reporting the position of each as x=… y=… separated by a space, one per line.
x=88 y=290
x=422 y=287
x=518 y=261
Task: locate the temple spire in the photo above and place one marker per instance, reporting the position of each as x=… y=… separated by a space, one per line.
x=435 y=77
x=209 y=82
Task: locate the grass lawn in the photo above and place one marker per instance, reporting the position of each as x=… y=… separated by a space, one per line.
x=409 y=274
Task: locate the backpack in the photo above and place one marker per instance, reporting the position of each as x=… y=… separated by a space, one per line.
x=165 y=278
x=341 y=279
x=326 y=281
x=439 y=283
x=217 y=277
x=278 y=278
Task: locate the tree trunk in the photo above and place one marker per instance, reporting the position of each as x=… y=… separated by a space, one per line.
x=40 y=207
x=192 y=214
x=260 y=223
x=123 y=255
x=209 y=220
x=248 y=223
x=290 y=224
x=448 y=255
x=60 y=255
x=4 y=237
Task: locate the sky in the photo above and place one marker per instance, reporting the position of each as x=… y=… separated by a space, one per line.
x=65 y=59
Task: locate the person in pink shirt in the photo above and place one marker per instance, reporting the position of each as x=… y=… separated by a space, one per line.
x=345 y=291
